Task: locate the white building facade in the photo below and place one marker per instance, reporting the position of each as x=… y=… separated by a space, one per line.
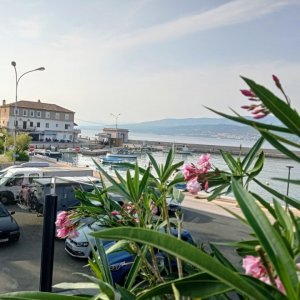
x=44 y=122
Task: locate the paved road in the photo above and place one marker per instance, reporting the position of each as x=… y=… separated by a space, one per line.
x=20 y=262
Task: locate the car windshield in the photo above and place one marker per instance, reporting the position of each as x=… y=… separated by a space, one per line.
x=96 y=226
x=3 y=212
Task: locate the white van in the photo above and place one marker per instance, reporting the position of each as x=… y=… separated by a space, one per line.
x=12 y=181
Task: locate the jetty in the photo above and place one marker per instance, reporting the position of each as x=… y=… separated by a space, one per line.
x=203 y=148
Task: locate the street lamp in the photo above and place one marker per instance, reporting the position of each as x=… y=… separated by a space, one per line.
x=116 y=117
x=13 y=63
x=117 y=135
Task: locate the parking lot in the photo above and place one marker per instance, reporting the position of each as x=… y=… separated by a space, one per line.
x=20 y=261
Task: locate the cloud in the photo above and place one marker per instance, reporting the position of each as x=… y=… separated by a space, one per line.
x=28 y=29
x=234 y=12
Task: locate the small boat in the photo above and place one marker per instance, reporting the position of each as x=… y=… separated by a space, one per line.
x=115 y=160
x=116 y=155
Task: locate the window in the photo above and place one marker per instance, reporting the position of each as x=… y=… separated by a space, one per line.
x=56 y=125
x=38 y=114
x=16 y=123
x=32 y=176
x=38 y=124
x=57 y=116
x=16 y=112
x=31 y=124
x=31 y=113
x=67 y=126
x=47 y=125
x=70 y=137
x=67 y=117
x=25 y=112
x=17 y=180
x=47 y=115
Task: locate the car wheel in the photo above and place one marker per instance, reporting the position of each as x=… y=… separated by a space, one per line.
x=5 y=198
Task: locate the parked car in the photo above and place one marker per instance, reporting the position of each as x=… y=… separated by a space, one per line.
x=81 y=246
x=9 y=228
x=120 y=262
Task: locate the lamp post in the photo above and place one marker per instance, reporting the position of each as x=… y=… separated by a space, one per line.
x=116 y=117
x=13 y=63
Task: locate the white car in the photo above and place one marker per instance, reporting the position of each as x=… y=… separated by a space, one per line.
x=81 y=246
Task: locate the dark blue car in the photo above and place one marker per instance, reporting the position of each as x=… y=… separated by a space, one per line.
x=120 y=262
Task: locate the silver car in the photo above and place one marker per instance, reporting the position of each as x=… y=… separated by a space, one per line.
x=81 y=246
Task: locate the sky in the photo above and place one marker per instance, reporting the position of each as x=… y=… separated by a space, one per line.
x=144 y=60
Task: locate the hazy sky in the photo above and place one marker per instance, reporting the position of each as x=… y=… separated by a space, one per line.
x=147 y=59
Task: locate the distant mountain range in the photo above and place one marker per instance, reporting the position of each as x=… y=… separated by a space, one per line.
x=193 y=127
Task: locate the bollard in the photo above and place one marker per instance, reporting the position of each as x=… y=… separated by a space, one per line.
x=47 y=255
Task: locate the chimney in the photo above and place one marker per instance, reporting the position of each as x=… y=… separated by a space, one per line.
x=3 y=102
x=39 y=101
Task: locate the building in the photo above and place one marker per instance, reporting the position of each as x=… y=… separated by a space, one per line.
x=113 y=136
x=42 y=121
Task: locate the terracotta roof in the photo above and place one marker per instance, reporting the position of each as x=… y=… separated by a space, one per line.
x=39 y=105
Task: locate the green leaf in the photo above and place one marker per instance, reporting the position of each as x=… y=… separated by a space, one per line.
x=265 y=204
x=200 y=285
x=274 y=142
x=253 y=124
x=278 y=107
x=186 y=252
x=125 y=293
x=291 y=201
x=259 y=164
x=38 y=296
x=231 y=163
x=248 y=159
x=285 y=221
x=135 y=268
x=155 y=165
x=269 y=239
x=291 y=181
x=178 y=195
x=221 y=258
x=217 y=191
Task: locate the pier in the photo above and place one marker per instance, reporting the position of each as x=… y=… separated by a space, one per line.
x=202 y=148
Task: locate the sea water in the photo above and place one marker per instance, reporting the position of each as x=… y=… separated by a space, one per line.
x=273 y=167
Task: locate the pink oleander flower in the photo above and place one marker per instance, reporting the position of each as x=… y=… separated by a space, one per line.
x=248 y=93
x=64 y=232
x=190 y=171
x=279 y=285
x=193 y=186
x=63 y=219
x=204 y=163
x=254 y=267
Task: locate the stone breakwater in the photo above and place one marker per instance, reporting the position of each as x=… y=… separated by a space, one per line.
x=202 y=148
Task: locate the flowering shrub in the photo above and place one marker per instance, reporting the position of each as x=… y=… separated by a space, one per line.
x=272 y=268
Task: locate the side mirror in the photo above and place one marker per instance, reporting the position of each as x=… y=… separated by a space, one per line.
x=12 y=212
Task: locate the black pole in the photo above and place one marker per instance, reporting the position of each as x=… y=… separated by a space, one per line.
x=48 y=243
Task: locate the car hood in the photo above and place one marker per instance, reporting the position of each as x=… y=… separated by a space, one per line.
x=8 y=223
